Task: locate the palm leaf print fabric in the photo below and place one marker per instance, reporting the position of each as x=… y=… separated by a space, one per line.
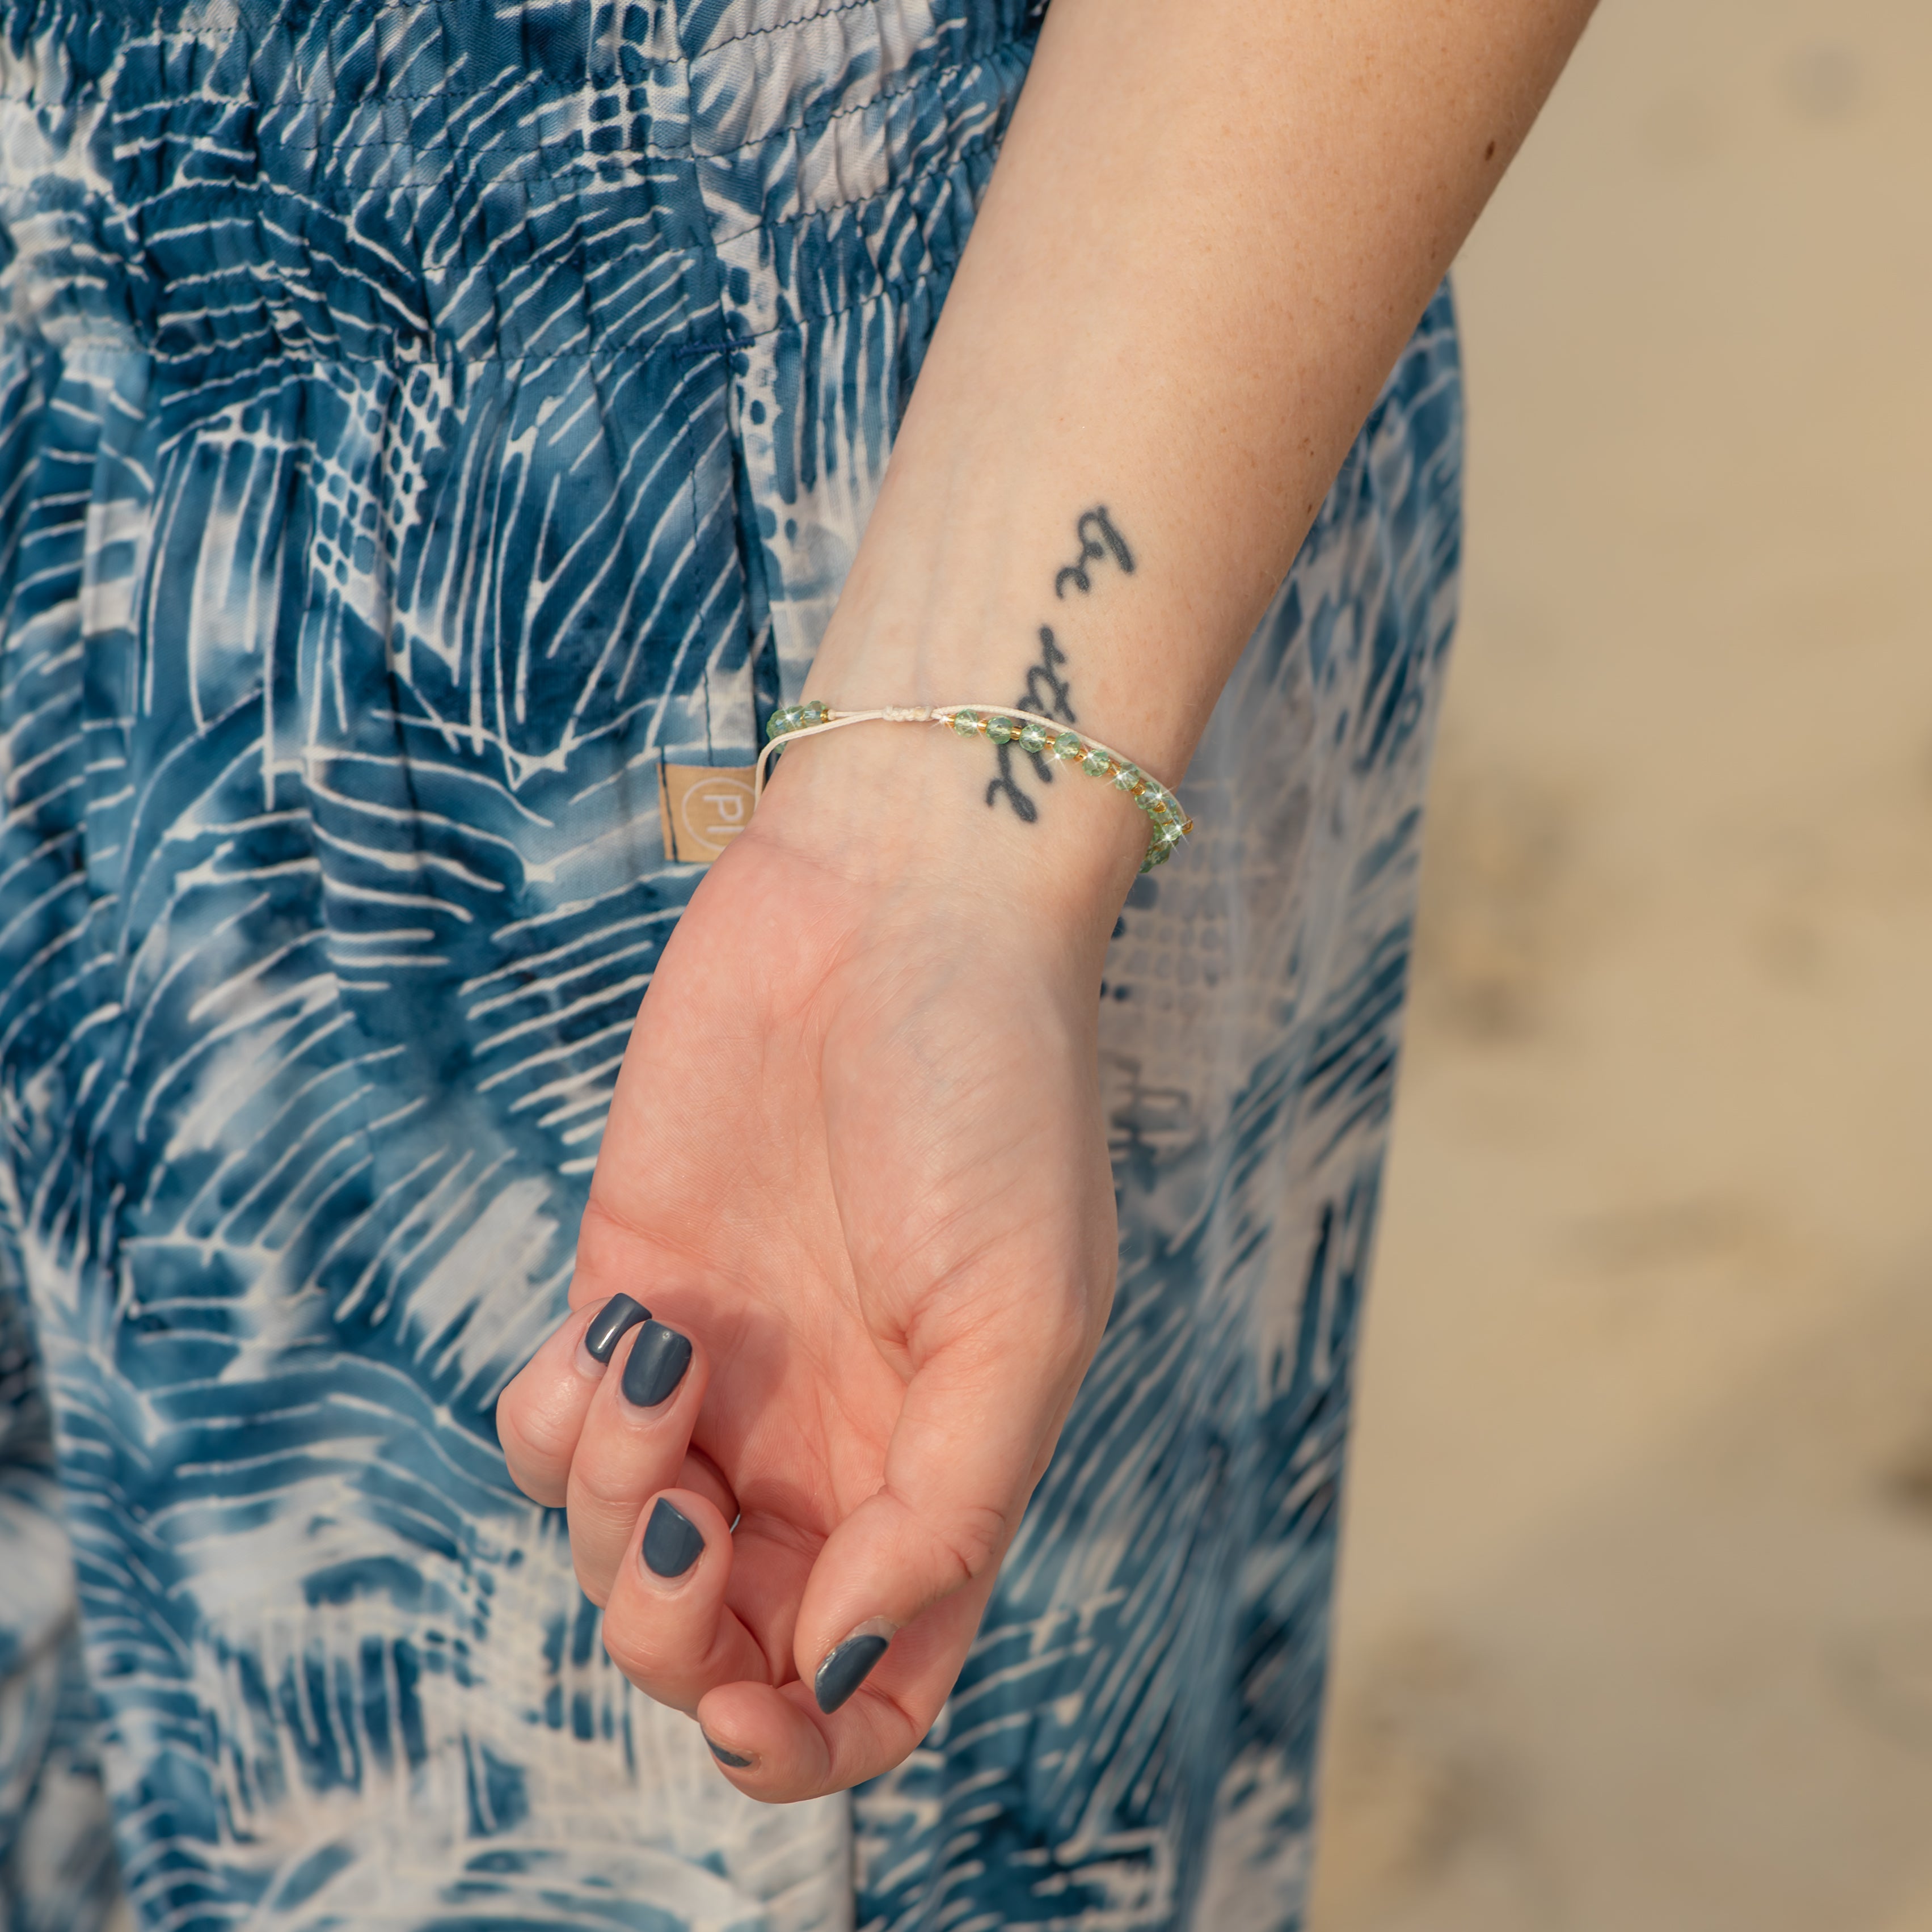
x=418 y=417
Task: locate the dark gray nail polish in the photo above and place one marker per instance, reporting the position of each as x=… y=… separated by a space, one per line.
x=731 y=1758
x=618 y=1315
x=658 y=1359
x=673 y=1543
x=845 y=1668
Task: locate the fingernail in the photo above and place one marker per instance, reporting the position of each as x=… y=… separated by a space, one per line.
x=845 y=1668
x=731 y=1758
x=673 y=1543
x=615 y=1319
x=658 y=1359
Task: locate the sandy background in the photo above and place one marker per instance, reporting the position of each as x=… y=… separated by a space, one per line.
x=1635 y=1628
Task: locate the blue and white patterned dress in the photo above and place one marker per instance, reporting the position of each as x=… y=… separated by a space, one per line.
x=418 y=417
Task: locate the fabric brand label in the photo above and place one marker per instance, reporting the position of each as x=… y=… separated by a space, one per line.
x=702 y=808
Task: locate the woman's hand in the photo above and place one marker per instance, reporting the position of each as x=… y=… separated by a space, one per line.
x=855 y=1154
x=856 y=1159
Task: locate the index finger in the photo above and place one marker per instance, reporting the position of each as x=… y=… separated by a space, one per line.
x=540 y=1415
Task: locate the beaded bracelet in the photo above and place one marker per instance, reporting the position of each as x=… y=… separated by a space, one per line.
x=1038 y=737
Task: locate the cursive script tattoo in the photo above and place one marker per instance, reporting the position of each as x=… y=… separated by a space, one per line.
x=1098 y=537
x=1048 y=691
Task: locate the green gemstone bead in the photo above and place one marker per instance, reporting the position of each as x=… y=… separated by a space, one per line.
x=1157 y=799
x=968 y=724
x=1033 y=738
x=780 y=722
x=1097 y=764
x=1127 y=778
x=813 y=713
x=1070 y=746
x=1000 y=730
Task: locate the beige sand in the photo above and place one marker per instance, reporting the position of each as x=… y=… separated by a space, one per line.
x=1636 y=1618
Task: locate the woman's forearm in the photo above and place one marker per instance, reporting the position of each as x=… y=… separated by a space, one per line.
x=858 y=1149
x=1213 y=227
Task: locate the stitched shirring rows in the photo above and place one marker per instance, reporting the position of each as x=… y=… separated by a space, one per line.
x=359 y=8
x=353 y=9
x=918 y=78
x=403 y=364
x=584 y=171
x=824 y=263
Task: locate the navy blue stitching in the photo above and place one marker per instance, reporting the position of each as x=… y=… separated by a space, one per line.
x=435 y=6
x=944 y=165
x=584 y=169
x=673 y=61
x=688 y=152
x=609 y=78
x=352 y=10
x=784 y=26
x=405 y=366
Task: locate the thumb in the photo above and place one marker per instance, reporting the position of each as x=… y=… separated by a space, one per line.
x=974 y=1435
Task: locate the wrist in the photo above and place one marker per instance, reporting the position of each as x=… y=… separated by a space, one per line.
x=913 y=807
x=1061 y=670
x=988 y=607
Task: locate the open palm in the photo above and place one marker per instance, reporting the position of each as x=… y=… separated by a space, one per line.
x=855 y=1157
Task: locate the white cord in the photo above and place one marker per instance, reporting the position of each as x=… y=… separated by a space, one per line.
x=919 y=714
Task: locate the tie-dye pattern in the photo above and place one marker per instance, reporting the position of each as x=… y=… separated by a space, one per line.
x=416 y=420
